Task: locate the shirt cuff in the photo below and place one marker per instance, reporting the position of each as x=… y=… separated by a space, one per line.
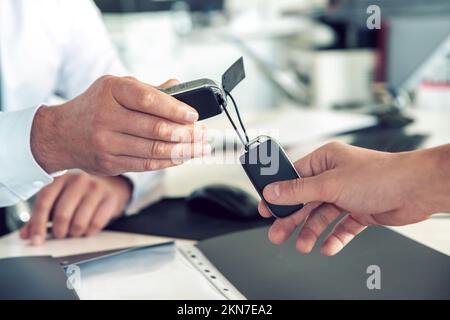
x=19 y=171
x=147 y=188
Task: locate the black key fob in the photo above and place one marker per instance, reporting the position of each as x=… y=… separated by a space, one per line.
x=265 y=162
x=204 y=95
x=207 y=96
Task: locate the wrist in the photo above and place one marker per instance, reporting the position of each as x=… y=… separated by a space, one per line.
x=434 y=167
x=123 y=190
x=46 y=142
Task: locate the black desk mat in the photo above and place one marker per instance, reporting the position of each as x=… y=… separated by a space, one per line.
x=261 y=270
x=172 y=218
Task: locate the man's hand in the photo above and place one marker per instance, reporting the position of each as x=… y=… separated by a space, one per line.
x=78 y=204
x=365 y=187
x=118 y=125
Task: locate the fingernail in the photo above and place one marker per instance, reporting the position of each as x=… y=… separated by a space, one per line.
x=36 y=240
x=191 y=116
x=273 y=191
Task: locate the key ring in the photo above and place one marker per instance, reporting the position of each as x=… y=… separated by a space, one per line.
x=244 y=130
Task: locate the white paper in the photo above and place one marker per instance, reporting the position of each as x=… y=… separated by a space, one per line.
x=12 y=246
x=154 y=273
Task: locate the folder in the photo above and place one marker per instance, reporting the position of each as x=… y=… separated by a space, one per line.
x=33 y=278
x=241 y=265
x=261 y=270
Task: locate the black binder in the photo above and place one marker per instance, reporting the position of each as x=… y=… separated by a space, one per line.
x=40 y=278
x=261 y=270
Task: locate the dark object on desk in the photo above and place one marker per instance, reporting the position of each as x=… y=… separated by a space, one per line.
x=393 y=119
x=407 y=269
x=390 y=140
x=3 y=227
x=224 y=201
x=122 y=6
x=173 y=218
x=33 y=278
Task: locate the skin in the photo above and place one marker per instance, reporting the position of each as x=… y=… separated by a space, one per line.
x=360 y=187
x=78 y=204
x=117 y=125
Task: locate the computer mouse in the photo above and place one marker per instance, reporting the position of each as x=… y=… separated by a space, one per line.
x=224 y=201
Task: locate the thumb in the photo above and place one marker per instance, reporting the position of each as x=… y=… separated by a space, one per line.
x=169 y=83
x=302 y=190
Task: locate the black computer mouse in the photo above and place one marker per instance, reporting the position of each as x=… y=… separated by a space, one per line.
x=224 y=201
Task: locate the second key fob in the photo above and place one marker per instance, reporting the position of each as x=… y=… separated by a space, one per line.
x=266 y=162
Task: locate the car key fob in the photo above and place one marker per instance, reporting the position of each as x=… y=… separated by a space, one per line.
x=207 y=96
x=204 y=95
x=265 y=162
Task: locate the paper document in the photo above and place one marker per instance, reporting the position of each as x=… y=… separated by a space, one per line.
x=161 y=272
x=12 y=246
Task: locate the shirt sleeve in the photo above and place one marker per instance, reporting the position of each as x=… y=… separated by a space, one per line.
x=89 y=55
x=88 y=51
x=20 y=175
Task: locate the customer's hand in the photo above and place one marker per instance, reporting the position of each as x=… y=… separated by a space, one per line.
x=366 y=187
x=78 y=205
x=118 y=125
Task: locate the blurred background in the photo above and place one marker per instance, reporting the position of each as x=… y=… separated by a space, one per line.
x=315 y=53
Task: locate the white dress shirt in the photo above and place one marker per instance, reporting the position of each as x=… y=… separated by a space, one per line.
x=47 y=48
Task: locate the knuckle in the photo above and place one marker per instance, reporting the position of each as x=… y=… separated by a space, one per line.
x=61 y=219
x=151 y=165
x=297 y=187
x=333 y=145
x=96 y=224
x=161 y=129
x=42 y=205
x=108 y=167
x=79 y=178
x=143 y=97
x=131 y=78
x=107 y=81
x=93 y=186
x=77 y=228
x=104 y=165
x=100 y=141
x=157 y=149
